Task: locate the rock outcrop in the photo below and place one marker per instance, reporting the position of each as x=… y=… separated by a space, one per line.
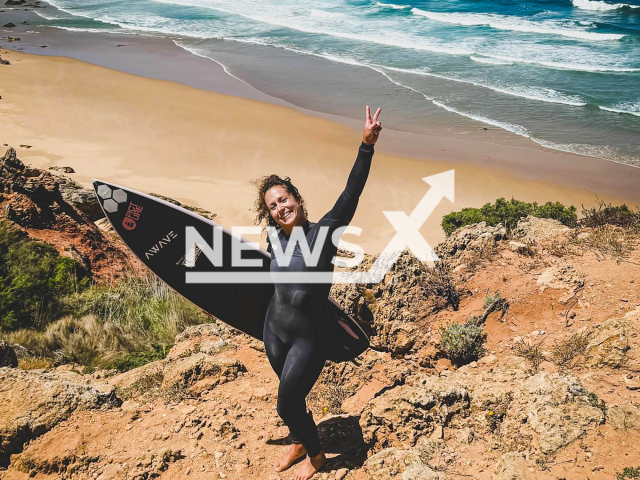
x=8 y=357
x=50 y=207
x=564 y=277
x=400 y=416
x=391 y=309
x=405 y=464
x=543 y=413
x=616 y=343
x=469 y=240
x=81 y=198
x=33 y=403
x=200 y=372
x=532 y=230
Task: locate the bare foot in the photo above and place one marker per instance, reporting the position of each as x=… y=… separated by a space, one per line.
x=309 y=467
x=296 y=451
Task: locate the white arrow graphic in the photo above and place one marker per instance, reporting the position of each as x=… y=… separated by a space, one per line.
x=408 y=227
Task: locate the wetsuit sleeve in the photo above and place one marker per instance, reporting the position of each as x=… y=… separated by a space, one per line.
x=345 y=208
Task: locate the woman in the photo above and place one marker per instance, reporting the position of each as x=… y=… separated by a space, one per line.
x=293 y=329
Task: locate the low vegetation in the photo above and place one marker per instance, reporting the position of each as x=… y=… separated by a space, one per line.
x=34 y=279
x=563 y=353
x=607 y=214
x=48 y=306
x=628 y=473
x=508 y=213
x=494 y=303
x=532 y=353
x=462 y=342
x=440 y=288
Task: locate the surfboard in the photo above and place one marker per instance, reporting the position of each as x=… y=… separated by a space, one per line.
x=156 y=231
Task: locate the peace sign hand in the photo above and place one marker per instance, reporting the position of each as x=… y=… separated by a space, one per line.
x=372 y=127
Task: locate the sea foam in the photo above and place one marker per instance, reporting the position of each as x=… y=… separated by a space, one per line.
x=392 y=5
x=600 y=6
x=515 y=24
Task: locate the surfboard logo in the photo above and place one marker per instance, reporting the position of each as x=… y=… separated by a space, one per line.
x=157 y=247
x=132 y=216
x=111 y=199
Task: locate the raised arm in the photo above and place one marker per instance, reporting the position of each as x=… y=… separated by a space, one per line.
x=345 y=207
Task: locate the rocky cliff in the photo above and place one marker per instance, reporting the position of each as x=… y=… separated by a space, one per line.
x=552 y=392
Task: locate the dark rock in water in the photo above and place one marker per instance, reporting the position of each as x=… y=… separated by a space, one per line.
x=9 y=25
x=8 y=356
x=15 y=2
x=63 y=169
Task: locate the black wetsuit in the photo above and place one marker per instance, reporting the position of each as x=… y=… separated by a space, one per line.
x=293 y=328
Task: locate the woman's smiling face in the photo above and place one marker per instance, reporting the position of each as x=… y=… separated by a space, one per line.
x=284 y=208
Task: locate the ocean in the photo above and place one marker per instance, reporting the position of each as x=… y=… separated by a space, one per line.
x=565 y=73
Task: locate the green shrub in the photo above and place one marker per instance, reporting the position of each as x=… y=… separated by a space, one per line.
x=508 y=213
x=33 y=279
x=606 y=214
x=628 y=473
x=114 y=326
x=137 y=359
x=462 y=342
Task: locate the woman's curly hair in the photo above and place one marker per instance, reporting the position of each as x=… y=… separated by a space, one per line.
x=263 y=185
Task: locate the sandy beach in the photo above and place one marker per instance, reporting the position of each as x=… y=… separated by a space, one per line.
x=203 y=148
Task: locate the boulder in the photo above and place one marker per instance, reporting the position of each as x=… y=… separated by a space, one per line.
x=200 y=372
x=62 y=169
x=395 y=464
x=8 y=357
x=469 y=239
x=564 y=277
x=9 y=25
x=624 y=417
x=33 y=403
x=532 y=230
x=400 y=416
x=81 y=198
x=616 y=343
x=553 y=409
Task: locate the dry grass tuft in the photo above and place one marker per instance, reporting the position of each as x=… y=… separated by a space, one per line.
x=329 y=393
x=563 y=353
x=440 y=288
x=474 y=259
x=532 y=353
x=605 y=241
x=35 y=363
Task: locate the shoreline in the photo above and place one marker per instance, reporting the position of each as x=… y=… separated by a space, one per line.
x=484 y=171
x=160 y=58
